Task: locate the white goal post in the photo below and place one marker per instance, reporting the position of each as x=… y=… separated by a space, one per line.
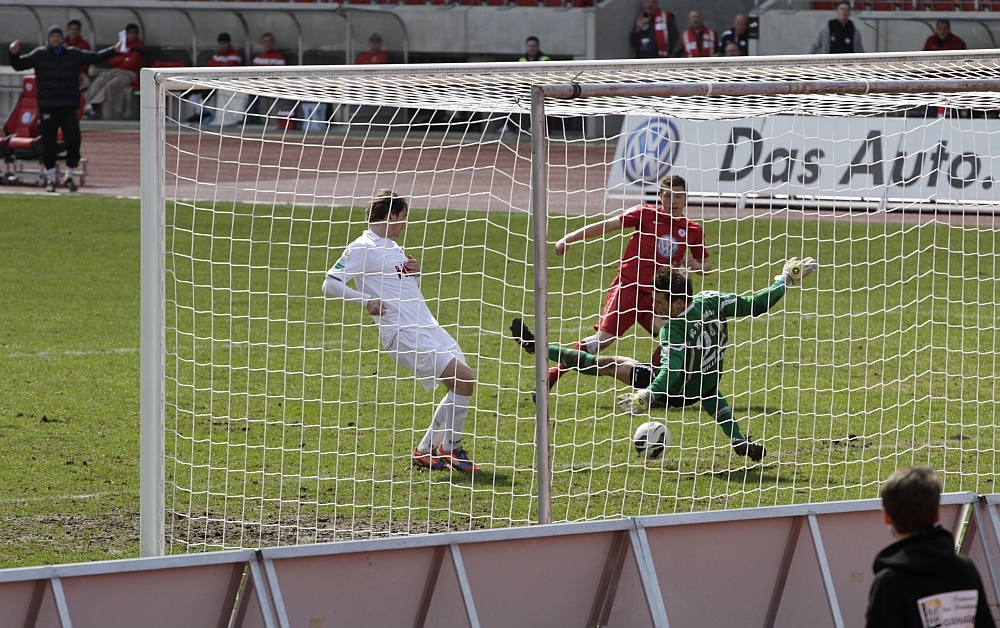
x=271 y=415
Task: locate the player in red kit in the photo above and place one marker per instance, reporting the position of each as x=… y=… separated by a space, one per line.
x=663 y=236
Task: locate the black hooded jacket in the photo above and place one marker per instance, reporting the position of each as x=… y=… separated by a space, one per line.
x=59 y=74
x=917 y=567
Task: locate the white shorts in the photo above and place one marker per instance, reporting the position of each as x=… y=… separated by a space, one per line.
x=426 y=351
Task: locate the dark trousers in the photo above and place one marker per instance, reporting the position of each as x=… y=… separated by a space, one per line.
x=52 y=120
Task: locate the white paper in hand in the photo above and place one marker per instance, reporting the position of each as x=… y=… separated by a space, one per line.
x=123 y=40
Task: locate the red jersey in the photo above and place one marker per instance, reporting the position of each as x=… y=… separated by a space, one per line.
x=659 y=239
x=370 y=56
x=954 y=42
x=269 y=58
x=231 y=57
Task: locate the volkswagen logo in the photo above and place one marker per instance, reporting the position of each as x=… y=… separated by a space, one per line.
x=650 y=151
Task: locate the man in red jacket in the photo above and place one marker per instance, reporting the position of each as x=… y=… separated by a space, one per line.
x=115 y=86
x=655 y=33
x=226 y=56
x=374 y=54
x=944 y=39
x=270 y=56
x=74 y=39
x=698 y=40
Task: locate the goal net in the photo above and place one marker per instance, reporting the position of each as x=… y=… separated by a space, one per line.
x=274 y=415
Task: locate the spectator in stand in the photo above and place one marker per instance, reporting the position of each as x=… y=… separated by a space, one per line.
x=839 y=35
x=655 y=33
x=738 y=34
x=374 y=54
x=226 y=56
x=57 y=69
x=115 y=86
x=944 y=39
x=532 y=52
x=74 y=39
x=732 y=50
x=698 y=40
x=270 y=56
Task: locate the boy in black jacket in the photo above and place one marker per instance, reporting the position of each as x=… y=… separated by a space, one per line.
x=919 y=580
x=57 y=69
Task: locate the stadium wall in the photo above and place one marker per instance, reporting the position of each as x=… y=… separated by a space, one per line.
x=780 y=566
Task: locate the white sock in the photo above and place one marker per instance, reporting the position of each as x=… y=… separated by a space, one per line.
x=453 y=432
x=443 y=415
x=590 y=345
x=69 y=172
x=50 y=174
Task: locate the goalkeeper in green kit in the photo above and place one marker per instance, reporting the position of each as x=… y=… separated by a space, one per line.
x=693 y=341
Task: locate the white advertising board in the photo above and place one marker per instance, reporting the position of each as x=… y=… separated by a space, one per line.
x=878 y=157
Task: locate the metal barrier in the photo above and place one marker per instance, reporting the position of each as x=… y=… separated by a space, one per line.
x=778 y=566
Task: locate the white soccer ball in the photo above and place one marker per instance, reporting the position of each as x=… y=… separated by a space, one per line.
x=651 y=440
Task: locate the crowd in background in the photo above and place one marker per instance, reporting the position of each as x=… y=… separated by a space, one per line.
x=108 y=92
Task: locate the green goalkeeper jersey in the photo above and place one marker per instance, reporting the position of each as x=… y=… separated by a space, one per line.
x=694 y=343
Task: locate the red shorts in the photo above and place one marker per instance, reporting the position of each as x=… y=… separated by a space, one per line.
x=626 y=305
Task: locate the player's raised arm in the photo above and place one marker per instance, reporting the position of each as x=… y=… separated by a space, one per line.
x=335 y=287
x=791 y=274
x=590 y=231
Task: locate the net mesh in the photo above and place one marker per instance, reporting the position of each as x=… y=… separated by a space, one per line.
x=288 y=423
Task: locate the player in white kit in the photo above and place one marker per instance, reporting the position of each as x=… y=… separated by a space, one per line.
x=388 y=286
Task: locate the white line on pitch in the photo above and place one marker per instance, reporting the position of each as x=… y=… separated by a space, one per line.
x=53 y=498
x=52 y=353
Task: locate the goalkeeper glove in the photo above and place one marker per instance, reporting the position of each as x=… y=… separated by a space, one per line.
x=797 y=269
x=636 y=403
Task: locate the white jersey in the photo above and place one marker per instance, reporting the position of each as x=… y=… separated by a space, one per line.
x=378 y=267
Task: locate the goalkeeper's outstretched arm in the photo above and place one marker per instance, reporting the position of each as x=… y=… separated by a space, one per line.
x=792 y=273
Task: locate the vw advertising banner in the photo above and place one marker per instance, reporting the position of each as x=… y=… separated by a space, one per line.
x=893 y=158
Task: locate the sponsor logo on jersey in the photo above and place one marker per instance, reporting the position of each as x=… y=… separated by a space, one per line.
x=650 y=151
x=666 y=246
x=681 y=233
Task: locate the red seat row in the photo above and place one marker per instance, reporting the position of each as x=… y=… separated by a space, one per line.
x=915 y=5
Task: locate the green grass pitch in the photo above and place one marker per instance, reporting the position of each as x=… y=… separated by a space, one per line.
x=288 y=424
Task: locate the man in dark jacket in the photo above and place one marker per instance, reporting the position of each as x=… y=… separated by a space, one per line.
x=919 y=580
x=57 y=69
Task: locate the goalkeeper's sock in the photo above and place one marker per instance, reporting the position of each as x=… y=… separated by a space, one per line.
x=456 y=421
x=574 y=359
x=719 y=410
x=560 y=369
